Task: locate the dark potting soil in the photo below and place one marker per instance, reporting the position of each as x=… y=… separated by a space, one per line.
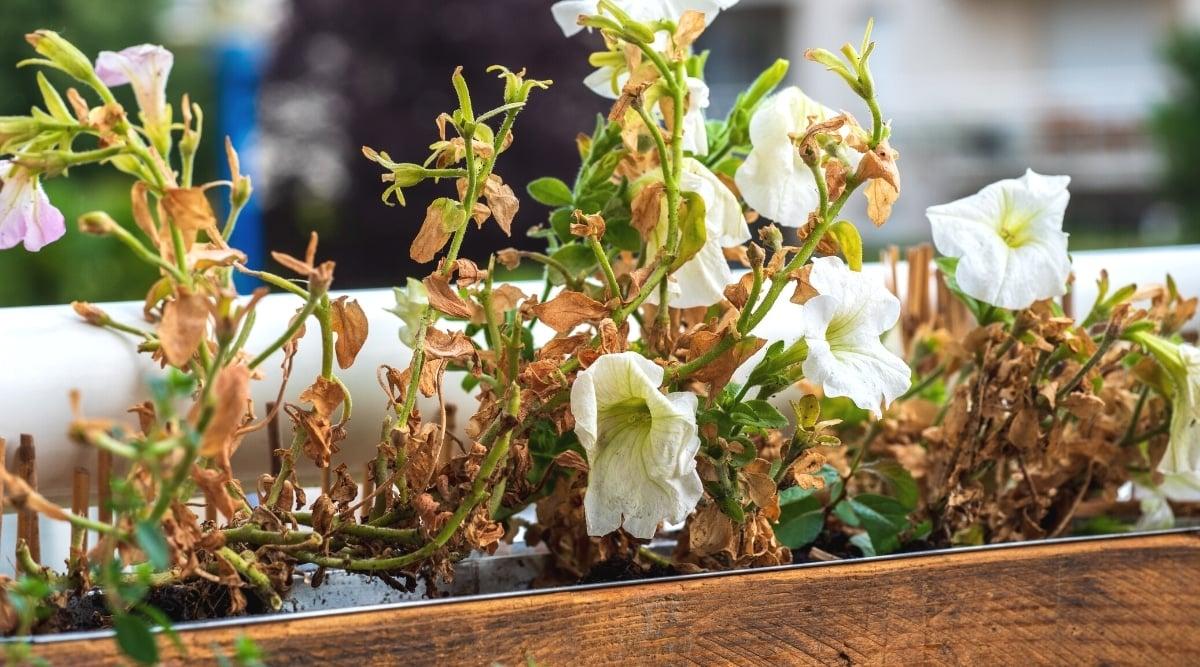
x=623 y=569
x=192 y=601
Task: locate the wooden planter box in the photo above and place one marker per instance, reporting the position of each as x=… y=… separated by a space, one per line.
x=1125 y=599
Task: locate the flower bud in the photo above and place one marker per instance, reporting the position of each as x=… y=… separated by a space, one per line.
x=91 y=313
x=240 y=194
x=764 y=84
x=17 y=130
x=771 y=236
x=98 y=223
x=407 y=174
x=63 y=54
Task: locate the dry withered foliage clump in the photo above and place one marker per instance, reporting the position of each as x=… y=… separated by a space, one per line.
x=640 y=394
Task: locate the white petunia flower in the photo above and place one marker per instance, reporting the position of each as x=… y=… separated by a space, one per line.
x=641 y=446
x=701 y=281
x=842 y=326
x=567 y=12
x=774 y=179
x=1009 y=240
x=26 y=214
x=410 y=305
x=145 y=67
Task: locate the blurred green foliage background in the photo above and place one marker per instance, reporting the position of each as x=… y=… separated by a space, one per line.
x=82 y=267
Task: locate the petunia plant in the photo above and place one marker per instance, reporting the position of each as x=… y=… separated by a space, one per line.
x=643 y=394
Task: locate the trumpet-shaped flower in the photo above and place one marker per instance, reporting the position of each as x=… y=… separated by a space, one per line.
x=641 y=446
x=26 y=214
x=145 y=67
x=701 y=281
x=774 y=180
x=1009 y=240
x=410 y=306
x=842 y=326
x=567 y=12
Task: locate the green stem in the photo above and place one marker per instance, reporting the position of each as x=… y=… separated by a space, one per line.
x=256 y=577
x=297 y=323
x=610 y=277
x=250 y=534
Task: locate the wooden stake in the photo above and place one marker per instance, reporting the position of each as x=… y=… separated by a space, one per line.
x=79 y=506
x=27 y=520
x=273 y=443
x=103 y=488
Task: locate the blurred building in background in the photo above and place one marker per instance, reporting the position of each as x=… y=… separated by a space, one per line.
x=1107 y=91
x=979 y=90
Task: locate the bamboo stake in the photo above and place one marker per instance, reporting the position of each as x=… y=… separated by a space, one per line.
x=103 y=490
x=79 y=506
x=27 y=520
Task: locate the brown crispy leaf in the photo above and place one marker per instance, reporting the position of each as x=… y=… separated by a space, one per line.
x=646 y=209
x=324 y=395
x=182 y=327
x=445 y=299
x=231 y=388
x=569 y=309
x=189 y=209
x=503 y=202
x=349 y=322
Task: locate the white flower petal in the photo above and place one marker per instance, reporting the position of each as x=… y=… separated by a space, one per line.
x=602 y=82
x=641 y=446
x=774 y=180
x=567 y=12
x=26 y=214
x=695 y=131
x=146 y=68
x=1009 y=240
x=842 y=326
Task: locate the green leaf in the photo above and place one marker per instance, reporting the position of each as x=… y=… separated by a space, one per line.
x=850 y=241
x=692 y=229
x=757 y=413
x=800 y=524
x=883 y=517
x=863 y=542
x=135 y=639
x=898 y=478
x=560 y=222
x=550 y=191
x=150 y=539
x=578 y=259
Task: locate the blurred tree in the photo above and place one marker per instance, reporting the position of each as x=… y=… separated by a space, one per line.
x=1176 y=126
x=77 y=267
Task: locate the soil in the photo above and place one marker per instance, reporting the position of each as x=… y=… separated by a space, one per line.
x=193 y=601
x=623 y=569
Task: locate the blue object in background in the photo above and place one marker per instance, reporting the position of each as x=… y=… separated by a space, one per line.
x=238 y=76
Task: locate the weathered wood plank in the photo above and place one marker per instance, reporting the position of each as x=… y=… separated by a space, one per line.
x=1133 y=600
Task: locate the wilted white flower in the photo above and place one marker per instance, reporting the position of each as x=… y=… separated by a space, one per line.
x=701 y=281
x=410 y=306
x=774 y=180
x=1008 y=239
x=842 y=326
x=26 y=214
x=641 y=446
x=145 y=67
x=567 y=12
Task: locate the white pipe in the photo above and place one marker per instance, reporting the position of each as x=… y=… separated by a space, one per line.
x=47 y=350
